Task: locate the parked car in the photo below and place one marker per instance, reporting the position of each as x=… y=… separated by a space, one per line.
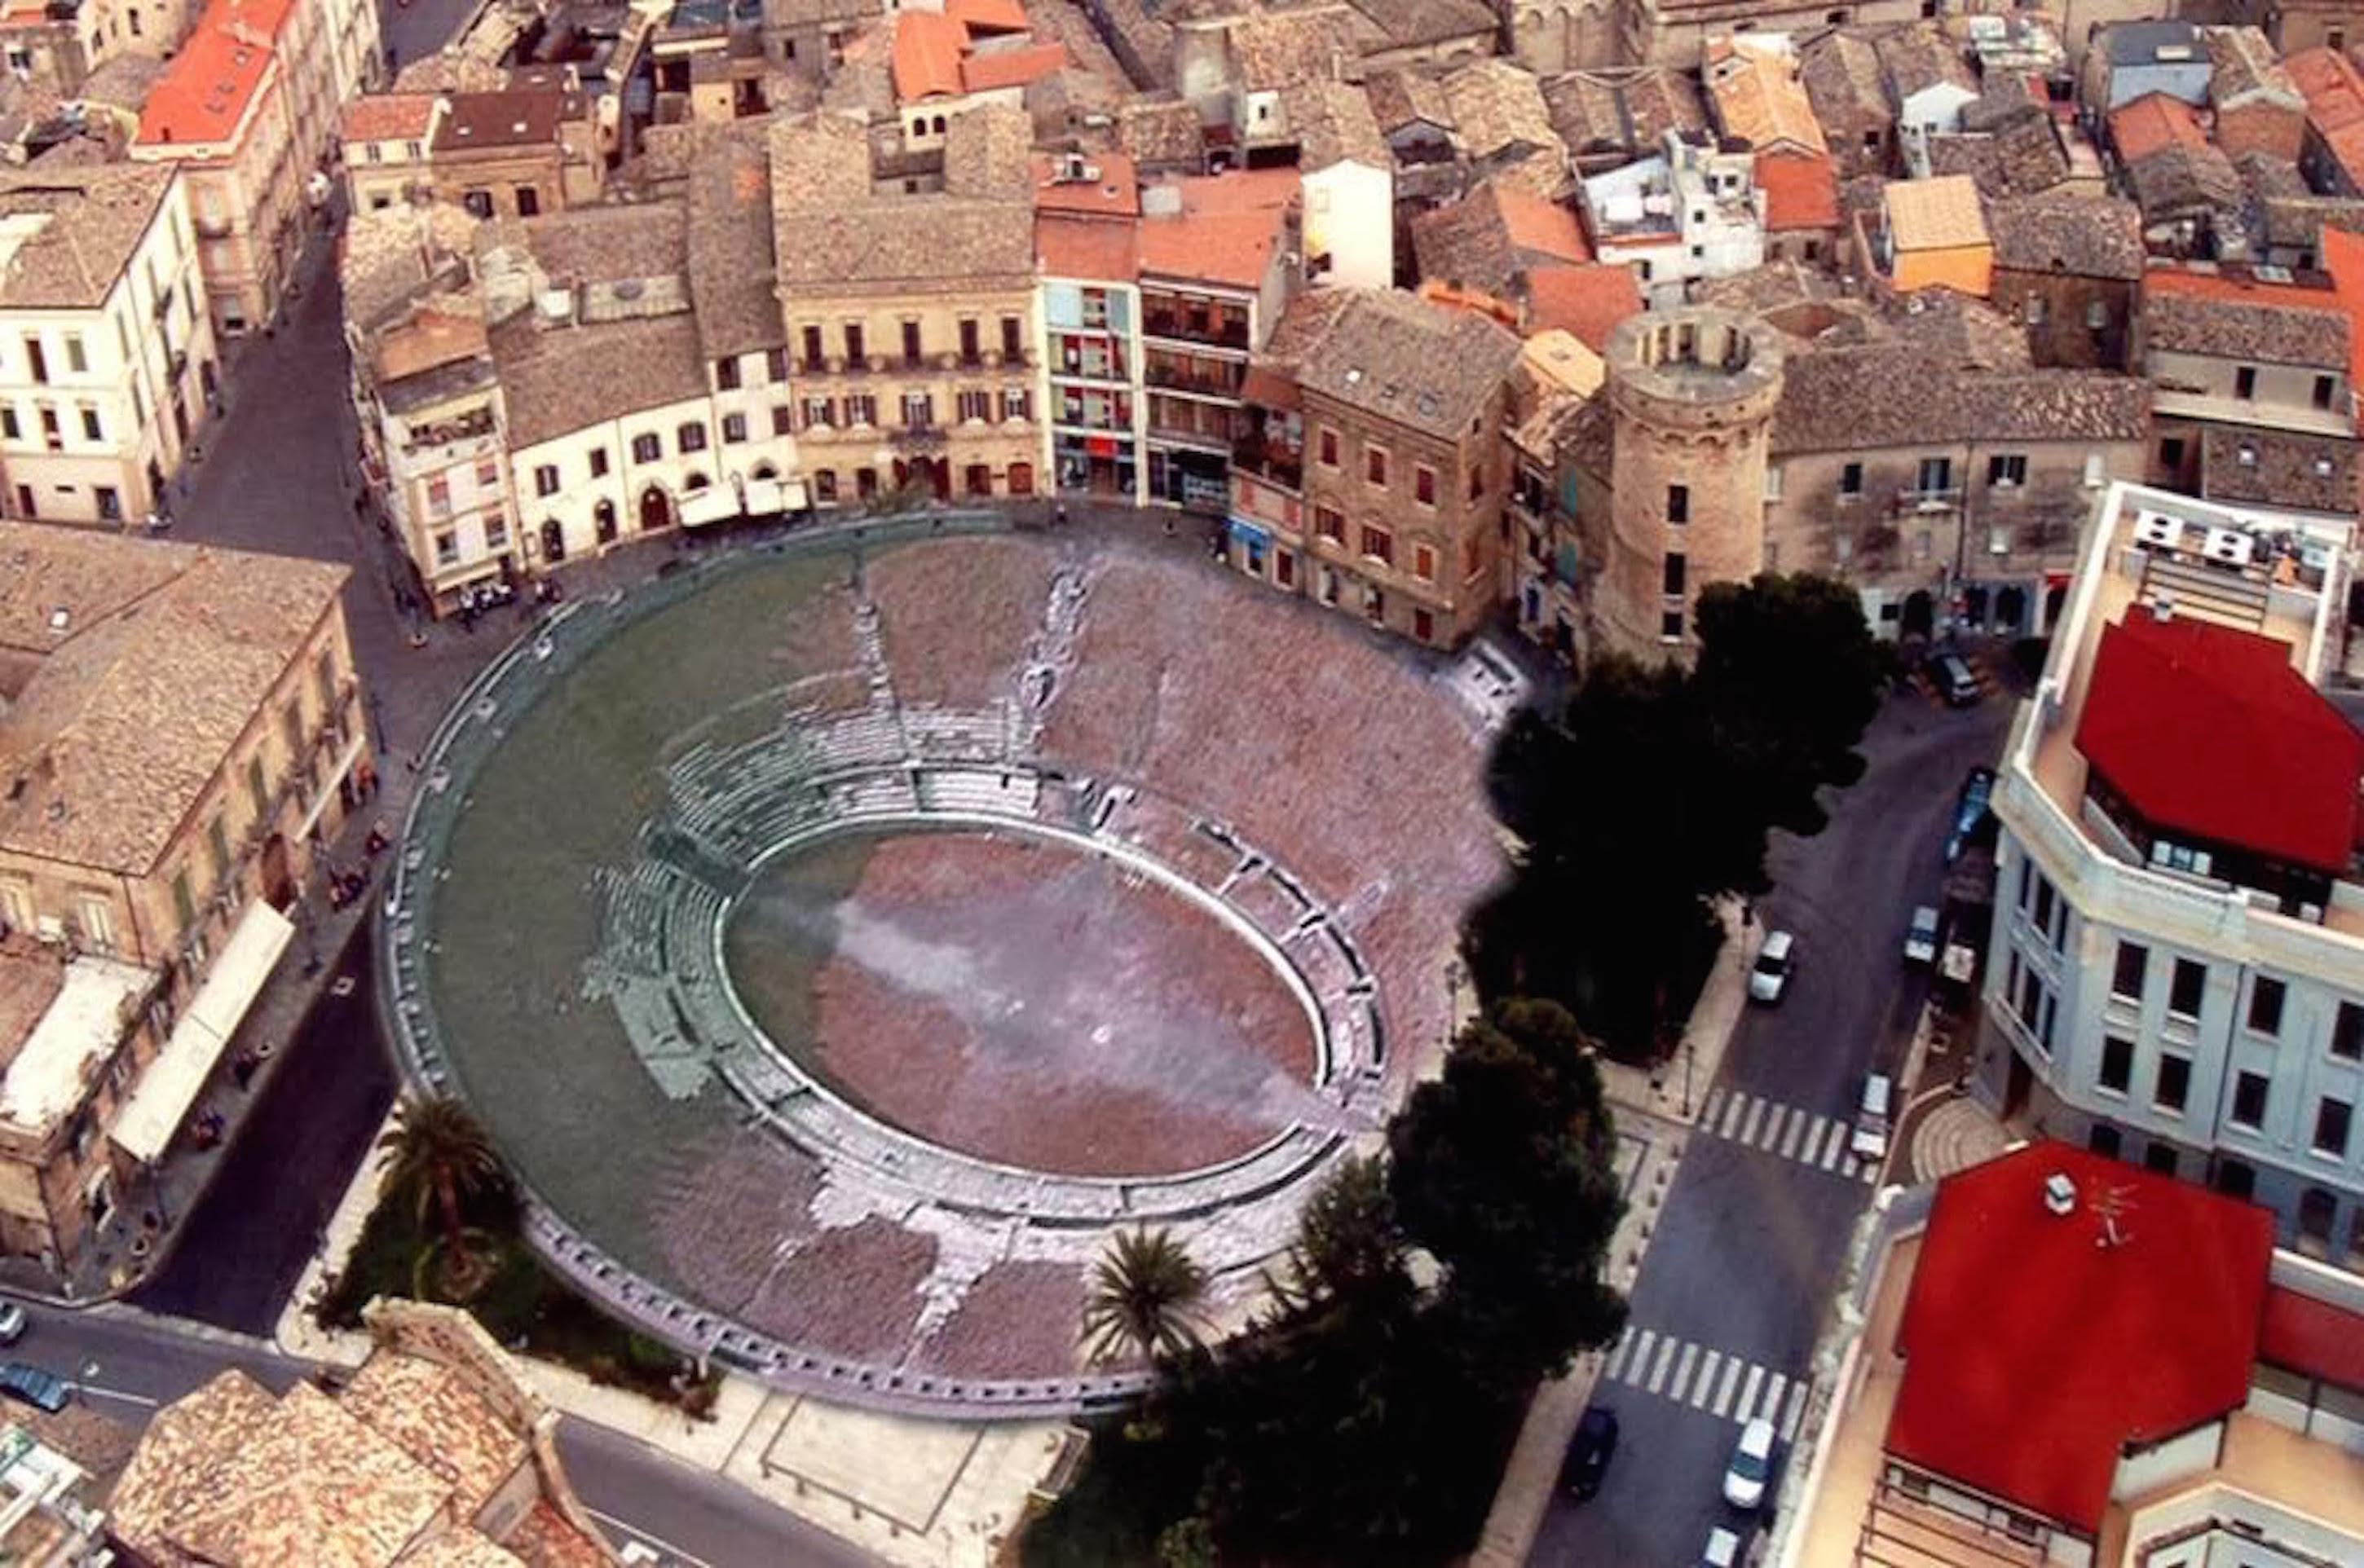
x=1752 y=1466
x=1869 y=1140
x=33 y=1385
x=1921 y=935
x=1589 y=1452
x=1770 y=976
x=1954 y=680
x=1973 y=812
x=13 y=1323
x=1722 y=1549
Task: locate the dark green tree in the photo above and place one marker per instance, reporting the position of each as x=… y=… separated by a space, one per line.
x=1145 y=1294
x=437 y=1152
x=1789 y=674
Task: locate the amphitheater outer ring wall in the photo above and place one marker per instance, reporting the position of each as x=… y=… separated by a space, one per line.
x=449 y=767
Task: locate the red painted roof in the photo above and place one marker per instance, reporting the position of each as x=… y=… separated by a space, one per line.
x=1800 y=191
x=2141 y=127
x=1096 y=248
x=204 y=92
x=2313 y=1337
x=1227 y=230
x=927 y=63
x=2034 y=1355
x=2208 y=732
x=2343 y=258
x=1588 y=301
x=1012 y=67
x=1541 y=224
x=988 y=15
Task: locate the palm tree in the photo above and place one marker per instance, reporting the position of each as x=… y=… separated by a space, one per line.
x=437 y=1150
x=1145 y=1294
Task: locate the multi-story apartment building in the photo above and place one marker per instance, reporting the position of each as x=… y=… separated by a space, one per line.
x=1399 y=407
x=2254 y=401
x=2176 y=972
x=911 y=314
x=57 y=47
x=382 y=141
x=517 y=152
x=185 y=728
x=224 y=115
x=1218 y=265
x=106 y=353
x=1087 y=233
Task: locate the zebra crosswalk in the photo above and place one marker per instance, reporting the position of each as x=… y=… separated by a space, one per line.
x=1820 y=1141
x=1726 y=1386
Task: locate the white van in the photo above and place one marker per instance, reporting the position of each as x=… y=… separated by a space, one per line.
x=1869 y=1141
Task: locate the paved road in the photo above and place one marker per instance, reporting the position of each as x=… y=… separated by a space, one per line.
x=242 y=1249
x=1748 y=1250
x=127 y=1363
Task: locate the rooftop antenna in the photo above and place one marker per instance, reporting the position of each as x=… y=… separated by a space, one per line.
x=2112 y=1205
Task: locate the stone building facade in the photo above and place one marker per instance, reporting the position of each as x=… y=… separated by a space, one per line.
x=1691 y=395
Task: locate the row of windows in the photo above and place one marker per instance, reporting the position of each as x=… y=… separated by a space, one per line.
x=1376 y=466
x=911 y=338
x=2188 y=988
x=1377 y=544
x=1934 y=476
x=2170 y=1093
x=52 y=421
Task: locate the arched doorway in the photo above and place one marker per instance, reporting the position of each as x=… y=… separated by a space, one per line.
x=554 y=541
x=940 y=477
x=603 y=522
x=2010 y=608
x=1974 y=605
x=2315 y=1208
x=1920 y=614
x=657 y=509
x=765 y=470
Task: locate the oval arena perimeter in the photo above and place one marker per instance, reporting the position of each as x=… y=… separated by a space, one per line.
x=842 y=939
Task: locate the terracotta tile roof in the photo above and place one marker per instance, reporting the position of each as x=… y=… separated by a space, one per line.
x=433 y=1414
x=1429 y=367
x=1401 y=98
x=988 y=15
x=93 y=219
x=1934 y=215
x=1410 y=24
x=2060 y=231
x=230 y=1476
x=603 y=244
x=1281 y=48
x=1595 y=113
x=1227 y=230
x=458 y=1549
x=980 y=227
x=2180 y=180
x=1012 y=67
x=1801 y=191
x=1334 y=124
x=30 y=978
x=2141 y=127
x=2251 y=465
x=2019 y=158
x=2335 y=105
x=165 y=654
x=214 y=78
x=1759 y=96
x=1917 y=57
x=1161 y=134
x=499 y=119
x=388 y=117
x=1095 y=250
x=546 y=1540
x=1840 y=72
x=1588 y=300
x=2193 y=724
x=1491 y=238
x=558 y=380
x=927 y=59
x=1896 y=391
x=2035 y=1357
x=2225 y=317
x=1114 y=191
x=730 y=238
x=1497 y=106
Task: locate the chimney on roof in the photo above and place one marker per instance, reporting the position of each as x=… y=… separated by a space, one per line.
x=2059 y=1195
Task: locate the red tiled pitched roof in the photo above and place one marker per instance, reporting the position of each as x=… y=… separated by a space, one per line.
x=204 y=93
x=1588 y=301
x=1012 y=67
x=1800 y=191
x=2208 y=731
x=1539 y=224
x=2034 y=1353
x=2141 y=127
x=927 y=59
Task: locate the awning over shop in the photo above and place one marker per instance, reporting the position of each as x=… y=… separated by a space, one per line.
x=715 y=504
x=170 y=1084
x=1246 y=532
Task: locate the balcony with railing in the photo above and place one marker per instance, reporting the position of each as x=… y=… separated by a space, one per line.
x=1197 y=380
x=1928 y=498
x=1182 y=322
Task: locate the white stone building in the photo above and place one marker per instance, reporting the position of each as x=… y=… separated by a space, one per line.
x=1693 y=211
x=106 y=354
x=2176 y=972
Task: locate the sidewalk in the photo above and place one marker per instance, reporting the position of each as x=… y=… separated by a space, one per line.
x=1658 y=1108
x=917 y=1494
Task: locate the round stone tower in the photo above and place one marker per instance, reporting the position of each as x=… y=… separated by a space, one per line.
x=1691 y=393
